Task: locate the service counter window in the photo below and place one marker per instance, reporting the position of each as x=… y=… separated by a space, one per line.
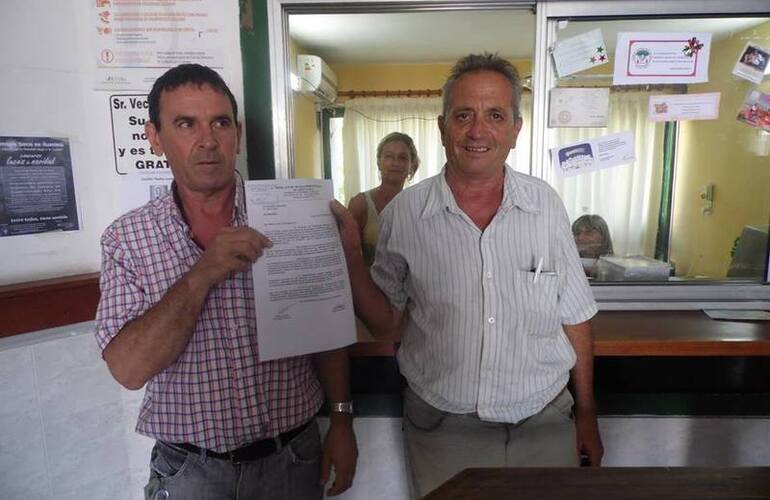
x=676 y=220
x=664 y=163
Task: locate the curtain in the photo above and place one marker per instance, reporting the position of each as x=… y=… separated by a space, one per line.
x=369 y=119
x=628 y=196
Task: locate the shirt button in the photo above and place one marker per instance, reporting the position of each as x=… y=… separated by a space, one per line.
x=491 y=321
x=489 y=275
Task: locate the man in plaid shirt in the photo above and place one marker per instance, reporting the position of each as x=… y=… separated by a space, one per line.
x=177 y=314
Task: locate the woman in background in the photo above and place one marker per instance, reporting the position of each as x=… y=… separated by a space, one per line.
x=592 y=237
x=397 y=161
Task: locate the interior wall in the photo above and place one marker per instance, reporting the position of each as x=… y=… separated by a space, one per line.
x=46 y=91
x=307 y=134
x=401 y=76
x=719 y=152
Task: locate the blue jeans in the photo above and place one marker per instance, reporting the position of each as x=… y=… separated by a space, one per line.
x=293 y=472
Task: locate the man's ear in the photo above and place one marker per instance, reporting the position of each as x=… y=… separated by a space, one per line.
x=441 y=126
x=153 y=136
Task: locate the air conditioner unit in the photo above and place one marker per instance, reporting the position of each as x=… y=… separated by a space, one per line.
x=316 y=79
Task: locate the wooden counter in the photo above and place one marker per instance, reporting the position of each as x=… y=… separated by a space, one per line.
x=37 y=305
x=654 y=333
x=610 y=483
x=677 y=333
x=45 y=304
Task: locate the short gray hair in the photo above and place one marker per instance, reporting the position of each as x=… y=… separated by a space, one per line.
x=484 y=62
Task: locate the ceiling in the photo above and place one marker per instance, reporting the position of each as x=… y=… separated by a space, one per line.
x=414 y=37
x=425 y=37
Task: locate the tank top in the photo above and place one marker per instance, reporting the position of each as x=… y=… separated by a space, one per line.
x=371 y=229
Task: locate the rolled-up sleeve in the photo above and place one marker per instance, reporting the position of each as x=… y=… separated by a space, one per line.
x=122 y=297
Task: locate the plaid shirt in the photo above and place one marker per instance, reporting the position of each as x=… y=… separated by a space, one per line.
x=216 y=395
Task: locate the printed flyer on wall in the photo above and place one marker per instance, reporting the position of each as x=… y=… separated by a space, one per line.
x=678 y=107
x=755 y=110
x=752 y=63
x=643 y=57
x=598 y=153
x=37 y=192
x=578 y=107
x=579 y=53
x=135 y=42
x=144 y=175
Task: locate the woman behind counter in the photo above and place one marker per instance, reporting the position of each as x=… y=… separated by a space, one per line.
x=397 y=161
x=592 y=238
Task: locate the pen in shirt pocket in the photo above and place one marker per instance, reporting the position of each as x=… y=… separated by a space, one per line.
x=539 y=271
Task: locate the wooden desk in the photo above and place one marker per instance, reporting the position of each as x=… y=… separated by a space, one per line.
x=610 y=483
x=655 y=333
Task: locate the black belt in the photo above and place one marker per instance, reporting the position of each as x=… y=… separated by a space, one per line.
x=254 y=451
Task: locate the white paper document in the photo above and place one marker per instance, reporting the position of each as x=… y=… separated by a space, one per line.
x=642 y=58
x=578 y=107
x=579 y=52
x=677 y=107
x=301 y=285
x=752 y=63
x=594 y=154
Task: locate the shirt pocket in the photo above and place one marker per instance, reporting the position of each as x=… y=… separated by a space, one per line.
x=536 y=304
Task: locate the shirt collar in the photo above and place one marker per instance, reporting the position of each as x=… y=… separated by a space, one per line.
x=440 y=196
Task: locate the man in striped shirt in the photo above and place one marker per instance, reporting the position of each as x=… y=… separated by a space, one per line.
x=177 y=314
x=476 y=272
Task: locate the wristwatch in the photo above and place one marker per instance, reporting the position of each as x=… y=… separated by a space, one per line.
x=341 y=407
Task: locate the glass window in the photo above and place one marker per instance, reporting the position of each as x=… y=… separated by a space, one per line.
x=389 y=68
x=695 y=204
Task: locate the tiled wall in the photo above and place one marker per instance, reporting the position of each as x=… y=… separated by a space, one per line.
x=67 y=428
x=66 y=431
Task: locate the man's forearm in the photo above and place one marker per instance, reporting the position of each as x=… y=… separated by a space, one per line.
x=152 y=342
x=372 y=307
x=333 y=370
x=339 y=446
x=384 y=321
x=582 y=375
x=589 y=441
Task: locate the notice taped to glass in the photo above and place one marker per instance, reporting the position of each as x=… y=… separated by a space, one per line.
x=37 y=192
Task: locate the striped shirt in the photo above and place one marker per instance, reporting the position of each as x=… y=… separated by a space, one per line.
x=482 y=335
x=217 y=395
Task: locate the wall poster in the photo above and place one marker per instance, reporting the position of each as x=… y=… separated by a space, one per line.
x=37 y=192
x=144 y=175
x=136 y=42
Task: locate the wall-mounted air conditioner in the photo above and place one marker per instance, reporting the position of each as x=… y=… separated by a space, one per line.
x=316 y=79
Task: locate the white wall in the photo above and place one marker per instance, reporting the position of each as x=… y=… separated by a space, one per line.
x=45 y=90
